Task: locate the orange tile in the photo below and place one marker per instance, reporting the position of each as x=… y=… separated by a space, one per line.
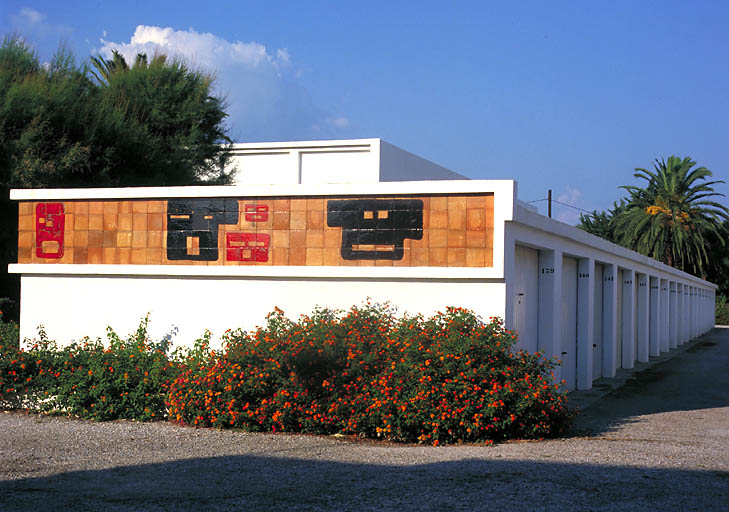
x=139 y=256
x=456 y=203
x=456 y=218
x=68 y=239
x=419 y=257
x=109 y=239
x=438 y=203
x=298 y=205
x=154 y=239
x=281 y=205
x=475 y=257
x=314 y=238
x=280 y=239
x=80 y=238
x=24 y=254
x=383 y=263
x=81 y=207
x=156 y=206
x=456 y=238
x=110 y=222
x=125 y=207
x=297 y=256
x=26 y=223
x=67 y=256
x=154 y=256
x=314 y=219
x=96 y=208
x=139 y=206
x=281 y=220
x=438 y=238
x=139 y=239
x=123 y=238
x=110 y=207
x=69 y=221
x=476 y=202
x=489 y=257
x=297 y=238
x=332 y=238
x=25 y=239
x=155 y=221
x=489 y=232
x=475 y=239
x=95 y=255
x=426 y=202
x=139 y=222
x=456 y=257
x=26 y=208
x=438 y=219
x=475 y=220
x=80 y=222
x=80 y=255
x=315 y=204
x=314 y=256
x=280 y=256
x=331 y=257
x=365 y=263
x=438 y=257
x=110 y=256
x=125 y=255
x=298 y=219
x=96 y=222
x=96 y=239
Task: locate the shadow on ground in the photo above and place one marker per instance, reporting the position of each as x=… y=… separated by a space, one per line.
x=696 y=378
x=266 y=483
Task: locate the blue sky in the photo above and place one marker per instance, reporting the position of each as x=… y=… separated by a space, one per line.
x=570 y=96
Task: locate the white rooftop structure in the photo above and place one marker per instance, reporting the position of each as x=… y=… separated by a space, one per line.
x=331 y=161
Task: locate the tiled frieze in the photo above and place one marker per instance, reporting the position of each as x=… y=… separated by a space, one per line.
x=436 y=231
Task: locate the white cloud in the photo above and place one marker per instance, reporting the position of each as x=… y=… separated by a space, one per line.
x=572 y=197
x=265 y=101
x=30 y=22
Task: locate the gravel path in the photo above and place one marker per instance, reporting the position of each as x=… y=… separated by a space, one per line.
x=661 y=442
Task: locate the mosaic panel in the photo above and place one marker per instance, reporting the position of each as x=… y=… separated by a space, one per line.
x=436 y=231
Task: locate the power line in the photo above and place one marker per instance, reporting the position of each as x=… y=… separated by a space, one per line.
x=560 y=202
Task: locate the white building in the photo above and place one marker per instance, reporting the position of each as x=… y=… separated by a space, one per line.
x=216 y=258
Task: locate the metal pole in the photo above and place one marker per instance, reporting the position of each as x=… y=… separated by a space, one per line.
x=549 y=202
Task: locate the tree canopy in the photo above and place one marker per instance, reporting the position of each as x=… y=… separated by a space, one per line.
x=103 y=124
x=673 y=218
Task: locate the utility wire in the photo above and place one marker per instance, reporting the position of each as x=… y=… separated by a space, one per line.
x=563 y=204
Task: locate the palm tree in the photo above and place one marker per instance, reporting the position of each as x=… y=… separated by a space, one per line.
x=104 y=69
x=673 y=219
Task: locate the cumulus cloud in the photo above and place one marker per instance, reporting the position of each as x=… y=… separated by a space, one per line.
x=265 y=100
x=572 y=197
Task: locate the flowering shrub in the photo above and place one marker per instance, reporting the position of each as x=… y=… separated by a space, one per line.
x=449 y=378
x=128 y=378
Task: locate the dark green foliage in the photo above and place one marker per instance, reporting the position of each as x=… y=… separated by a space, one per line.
x=152 y=124
x=602 y=224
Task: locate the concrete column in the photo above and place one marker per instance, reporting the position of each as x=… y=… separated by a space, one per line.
x=654 y=335
x=509 y=270
x=683 y=300
x=643 y=318
x=628 y=331
x=673 y=326
x=663 y=342
x=585 y=321
x=550 y=301
x=610 y=320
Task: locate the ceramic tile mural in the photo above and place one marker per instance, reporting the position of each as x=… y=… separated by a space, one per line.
x=437 y=231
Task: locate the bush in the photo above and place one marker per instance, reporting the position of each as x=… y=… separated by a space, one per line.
x=126 y=379
x=9 y=334
x=722 y=311
x=450 y=378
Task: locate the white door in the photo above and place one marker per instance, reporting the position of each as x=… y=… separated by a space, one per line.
x=597 y=322
x=526 y=297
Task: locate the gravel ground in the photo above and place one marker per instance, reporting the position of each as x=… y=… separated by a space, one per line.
x=660 y=442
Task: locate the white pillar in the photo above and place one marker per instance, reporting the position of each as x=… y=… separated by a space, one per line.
x=654 y=335
x=585 y=321
x=609 y=320
x=673 y=327
x=628 y=331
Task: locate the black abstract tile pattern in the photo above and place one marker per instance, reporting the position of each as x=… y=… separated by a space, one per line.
x=197 y=218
